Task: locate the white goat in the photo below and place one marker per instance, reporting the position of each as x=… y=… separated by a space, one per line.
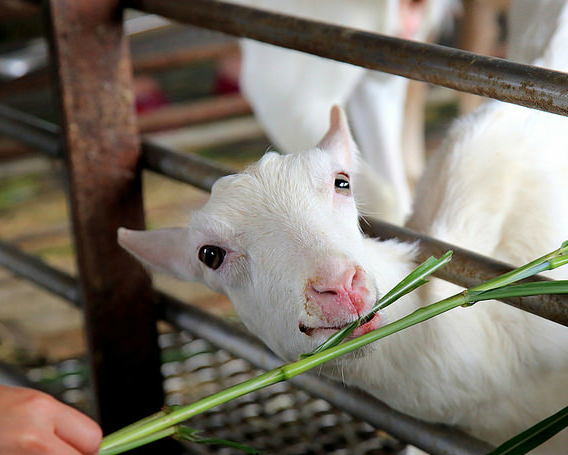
x=282 y=240
x=291 y=92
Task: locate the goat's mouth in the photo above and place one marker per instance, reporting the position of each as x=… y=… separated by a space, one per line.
x=367 y=327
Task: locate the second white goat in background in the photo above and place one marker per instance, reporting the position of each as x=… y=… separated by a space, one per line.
x=291 y=92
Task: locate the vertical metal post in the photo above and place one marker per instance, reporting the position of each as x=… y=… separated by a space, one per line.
x=99 y=129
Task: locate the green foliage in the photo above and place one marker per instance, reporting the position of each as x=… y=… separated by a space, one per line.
x=18 y=189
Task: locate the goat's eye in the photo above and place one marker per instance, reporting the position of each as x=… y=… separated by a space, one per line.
x=212 y=256
x=342 y=185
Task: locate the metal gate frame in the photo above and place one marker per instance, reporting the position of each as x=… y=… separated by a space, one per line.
x=104 y=156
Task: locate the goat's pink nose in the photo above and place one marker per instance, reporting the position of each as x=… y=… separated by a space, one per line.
x=340 y=296
x=336 y=283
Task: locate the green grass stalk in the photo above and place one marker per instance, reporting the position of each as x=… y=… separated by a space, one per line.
x=117 y=435
x=151 y=437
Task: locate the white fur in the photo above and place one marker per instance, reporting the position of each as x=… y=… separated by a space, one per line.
x=292 y=92
x=498 y=185
x=529 y=37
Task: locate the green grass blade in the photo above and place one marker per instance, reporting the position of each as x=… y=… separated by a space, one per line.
x=274 y=376
x=549 y=261
x=183 y=433
x=134 y=426
x=520 y=290
x=533 y=437
x=135 y=443
x=414 y=279
x=558 y=261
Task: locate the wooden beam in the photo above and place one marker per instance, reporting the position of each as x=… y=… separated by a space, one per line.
x=92 y=63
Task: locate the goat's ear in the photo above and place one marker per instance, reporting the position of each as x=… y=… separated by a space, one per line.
x=163 y=250
x=338 y=139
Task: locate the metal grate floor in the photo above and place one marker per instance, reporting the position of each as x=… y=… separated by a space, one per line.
x=280 y=419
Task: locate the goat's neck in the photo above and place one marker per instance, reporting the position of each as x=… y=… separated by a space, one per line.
x=406 y=360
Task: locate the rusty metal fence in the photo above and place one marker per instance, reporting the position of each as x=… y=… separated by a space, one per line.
x=104 y=155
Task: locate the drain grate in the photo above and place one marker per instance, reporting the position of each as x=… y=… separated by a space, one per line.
x=280 y=419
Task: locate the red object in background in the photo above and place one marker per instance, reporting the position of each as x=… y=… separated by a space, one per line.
x=225 y=85
x=148 y=94
x=228 y=73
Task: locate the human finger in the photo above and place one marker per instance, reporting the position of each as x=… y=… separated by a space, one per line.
x=78 y=431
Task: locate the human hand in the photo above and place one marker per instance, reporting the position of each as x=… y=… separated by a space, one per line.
x=34 y=423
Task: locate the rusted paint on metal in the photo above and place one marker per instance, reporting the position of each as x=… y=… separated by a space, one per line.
x=99 y=128
x=460 y=70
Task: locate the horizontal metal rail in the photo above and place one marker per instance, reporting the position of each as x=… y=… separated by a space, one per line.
x=31 y=130
x=183 y=57
x=501 y=79
x=38 y=272
x=466 y=269
x=184 y=167
x=436 y=439
x=469 y=269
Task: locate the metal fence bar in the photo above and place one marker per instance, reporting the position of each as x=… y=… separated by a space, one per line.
x=448 y=67
x=90 y=55
x=31 y=130
x=184 y=167
x=183 y=57
x=38 y=272
x=466 y=269
x=469 y=269
x=526 y=85
x=436 y=439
